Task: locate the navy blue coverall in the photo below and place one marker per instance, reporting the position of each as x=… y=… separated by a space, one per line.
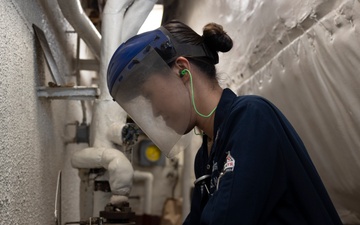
x=260 y=171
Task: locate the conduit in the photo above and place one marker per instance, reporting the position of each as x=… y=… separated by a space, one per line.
x=148 y=179
x=75 y=15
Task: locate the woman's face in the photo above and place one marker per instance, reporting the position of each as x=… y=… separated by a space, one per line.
x=169 y=99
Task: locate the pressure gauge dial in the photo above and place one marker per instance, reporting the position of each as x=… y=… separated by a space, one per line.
x=152 y=153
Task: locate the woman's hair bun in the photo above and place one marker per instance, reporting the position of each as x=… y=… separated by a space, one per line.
x=216 y=38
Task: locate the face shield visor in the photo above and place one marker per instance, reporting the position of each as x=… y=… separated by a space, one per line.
x=155 y=98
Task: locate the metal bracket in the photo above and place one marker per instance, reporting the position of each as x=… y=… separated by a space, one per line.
x=61 y=90
x=69 y=93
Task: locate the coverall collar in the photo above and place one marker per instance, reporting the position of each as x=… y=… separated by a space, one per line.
x=223 y=108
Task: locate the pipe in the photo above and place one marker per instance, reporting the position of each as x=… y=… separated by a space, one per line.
x=111 y=29
x=121 y=20
x=119 y=168
x=191 y=144
x=114 y=132
x=187 y=181
x=148 y=178
x=75 y=15
x=140 y=8
x=100 y=198
x=103 y=152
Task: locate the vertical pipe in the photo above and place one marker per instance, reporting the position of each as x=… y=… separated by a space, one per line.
x=186 y=181
x=75 y=15
x=188 y=176
x=148 y=178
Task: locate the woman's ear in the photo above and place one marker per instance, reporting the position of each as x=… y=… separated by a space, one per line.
x=181 y=66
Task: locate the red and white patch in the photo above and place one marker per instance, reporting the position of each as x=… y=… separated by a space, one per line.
x=230 y=163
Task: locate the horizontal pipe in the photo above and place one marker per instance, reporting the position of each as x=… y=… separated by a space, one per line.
x=119 y=167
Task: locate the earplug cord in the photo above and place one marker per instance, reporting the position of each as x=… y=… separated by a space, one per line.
x=193 y=98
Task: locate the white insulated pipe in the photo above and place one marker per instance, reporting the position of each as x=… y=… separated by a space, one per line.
x=121 y=20
x=191 y=143
x=114 y=133
x=75 y=15
x=119 y=167
x=112 y=27
x=148 y=180
x=187 y=180
x=140 y=9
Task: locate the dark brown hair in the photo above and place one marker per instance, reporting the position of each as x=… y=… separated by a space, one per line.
x=214 y=37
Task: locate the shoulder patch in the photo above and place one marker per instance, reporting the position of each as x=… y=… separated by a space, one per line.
x=230 y=163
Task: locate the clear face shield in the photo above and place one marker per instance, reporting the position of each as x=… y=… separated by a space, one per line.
x=155 y=98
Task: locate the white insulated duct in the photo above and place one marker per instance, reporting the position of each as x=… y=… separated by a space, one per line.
x=75 y=15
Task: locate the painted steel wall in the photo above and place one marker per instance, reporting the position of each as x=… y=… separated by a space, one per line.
x=305 y=57
x=32 y=130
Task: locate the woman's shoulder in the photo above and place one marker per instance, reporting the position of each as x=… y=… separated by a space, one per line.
x=252 y=102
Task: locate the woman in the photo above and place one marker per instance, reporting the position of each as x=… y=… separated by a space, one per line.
x=256 y=170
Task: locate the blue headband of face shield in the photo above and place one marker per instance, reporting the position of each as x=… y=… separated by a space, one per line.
x=135 y=49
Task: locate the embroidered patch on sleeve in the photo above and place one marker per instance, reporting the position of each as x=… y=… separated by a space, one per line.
x=229 y=164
